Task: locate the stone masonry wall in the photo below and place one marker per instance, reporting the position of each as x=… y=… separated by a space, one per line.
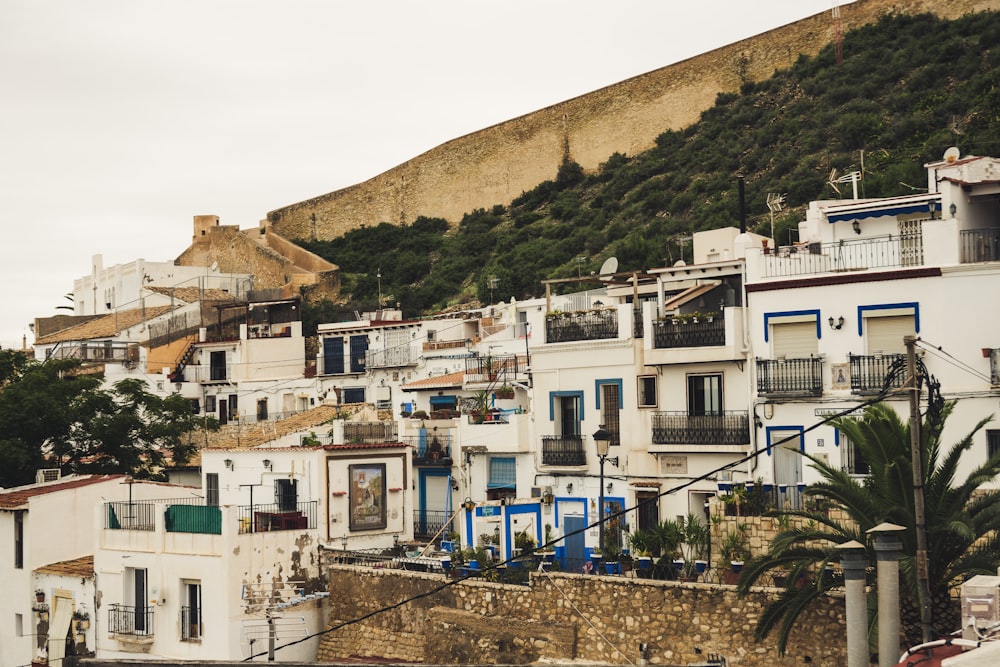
x=498 y=163
x=562 y=617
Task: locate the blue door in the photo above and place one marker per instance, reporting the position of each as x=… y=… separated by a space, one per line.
x=575 y=555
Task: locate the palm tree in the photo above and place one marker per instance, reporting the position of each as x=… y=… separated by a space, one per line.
x=961 y=521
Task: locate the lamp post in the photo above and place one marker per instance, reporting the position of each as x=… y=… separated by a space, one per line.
x=602 y=440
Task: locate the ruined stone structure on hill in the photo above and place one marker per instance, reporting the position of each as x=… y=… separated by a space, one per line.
x=498 y=163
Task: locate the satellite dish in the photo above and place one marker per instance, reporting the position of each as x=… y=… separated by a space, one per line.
x=610 y=266
x=952 y=154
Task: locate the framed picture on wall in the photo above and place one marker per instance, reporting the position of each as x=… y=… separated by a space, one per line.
x=367 y=496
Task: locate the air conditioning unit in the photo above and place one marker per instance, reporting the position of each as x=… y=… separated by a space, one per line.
x=47 y=475
x=980 y=605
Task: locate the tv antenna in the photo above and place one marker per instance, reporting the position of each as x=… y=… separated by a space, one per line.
x=492 y=282
x=850 y=177
x=775 y=203
x=682 y=242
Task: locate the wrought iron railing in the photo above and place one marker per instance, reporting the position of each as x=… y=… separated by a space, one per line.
x=686 y=333
x=125 y=515
x=191 y=627
x=681 y=428
x=126 y=620
x=492 y=368
x=586 y=325
x=843 y=255
x=870 y=372
x=980 y=245
x=370 y=433
x=430 y=448
x=277 y=516
x=790 y=376
x=429 y=523
x=90 y=351
x=563 y=450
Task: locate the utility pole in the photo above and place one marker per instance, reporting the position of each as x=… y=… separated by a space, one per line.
x=919 y=516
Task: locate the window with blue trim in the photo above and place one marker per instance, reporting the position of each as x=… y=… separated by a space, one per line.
x=502 y=482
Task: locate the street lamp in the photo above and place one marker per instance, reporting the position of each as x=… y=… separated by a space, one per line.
x=602 y=439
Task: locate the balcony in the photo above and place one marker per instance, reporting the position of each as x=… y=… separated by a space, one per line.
x=191 y=515
x=790 y=377
x=370 y=433
x=869 y=373
x=393 y=357
x=96 y=351
x=130 y=621
x=677 y=332
x=994 y=365
x=499 y=368
x=563 y=450
x=583 y=325
x=430 y=449
x=980 y=245
x=681 y=428
x=840 y=256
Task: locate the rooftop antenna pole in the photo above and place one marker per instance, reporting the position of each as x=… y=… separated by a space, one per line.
x=775 y=202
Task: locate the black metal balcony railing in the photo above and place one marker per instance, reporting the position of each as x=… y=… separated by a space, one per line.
x=790 y=376
x=126 y=620
x=430 y=449
x=869 y=373
x=980 y=245
x=429 y=523
x=125 y=515
x=586 y=325
x=191 y=627
x=681 y=428
x=493 y=368
x=277 y=516
x=667 y=334
x=563 y=450
x=370 y=433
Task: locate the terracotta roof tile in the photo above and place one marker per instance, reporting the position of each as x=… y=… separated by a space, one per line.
x=438 y=382
x=193 y=294
x=18 y=497
x=106 y=326
x=78 y=567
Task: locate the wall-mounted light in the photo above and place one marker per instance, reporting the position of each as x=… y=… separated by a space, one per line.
x=611 y=487
x=569 y=489
x=267 y=464
x=856 y=226
x=228 y=463
x=953 y=209
x=547 y=498
x=836 y=323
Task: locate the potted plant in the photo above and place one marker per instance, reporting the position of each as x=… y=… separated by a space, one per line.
x=81 y=619
x=640 y=542
x=733 y=552
x=505 y=392
x=695 y=534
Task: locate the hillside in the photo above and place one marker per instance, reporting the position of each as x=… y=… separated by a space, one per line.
x=908 y=88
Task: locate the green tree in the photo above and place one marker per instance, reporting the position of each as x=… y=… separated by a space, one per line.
x=52 y=415
x=961 y=520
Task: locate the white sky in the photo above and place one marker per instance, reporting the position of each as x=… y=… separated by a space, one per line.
x=120 y=120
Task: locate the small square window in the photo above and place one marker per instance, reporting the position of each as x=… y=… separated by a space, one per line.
x=992 y=442
x=647 y=391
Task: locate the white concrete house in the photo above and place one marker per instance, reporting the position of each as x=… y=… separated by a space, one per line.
x=47 y=538
x=199 y=580
x=828 y=316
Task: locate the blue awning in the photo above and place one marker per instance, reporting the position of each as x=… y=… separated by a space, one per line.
x=899 y=209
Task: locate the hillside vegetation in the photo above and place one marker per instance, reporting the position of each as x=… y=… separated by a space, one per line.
x=908 y=88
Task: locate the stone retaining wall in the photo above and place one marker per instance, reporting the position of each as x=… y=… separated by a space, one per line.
x=562 y=617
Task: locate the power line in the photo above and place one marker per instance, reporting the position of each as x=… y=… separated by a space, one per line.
x=885 y=391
